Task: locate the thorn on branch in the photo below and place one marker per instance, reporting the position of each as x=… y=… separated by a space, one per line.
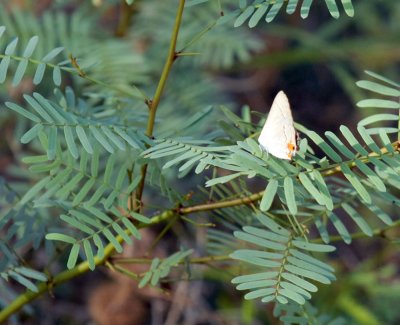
x=74 y=63
x=178 y=208
x=148 y=102
x=50 y=286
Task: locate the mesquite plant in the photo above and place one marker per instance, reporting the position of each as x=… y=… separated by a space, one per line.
x=115 y=133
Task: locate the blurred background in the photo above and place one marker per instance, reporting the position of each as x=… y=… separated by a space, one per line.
x=316 y=61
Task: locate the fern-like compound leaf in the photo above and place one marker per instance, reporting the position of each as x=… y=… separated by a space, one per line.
x=254 y=12
x=97 y=227
x=286 y=262
x=25 y=60
x=24 y=276
x=75 y=129
x=161 y=269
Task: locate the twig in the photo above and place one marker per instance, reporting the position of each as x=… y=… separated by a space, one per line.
x=153 y=104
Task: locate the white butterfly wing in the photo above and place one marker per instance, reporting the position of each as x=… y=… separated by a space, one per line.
x=278 y=135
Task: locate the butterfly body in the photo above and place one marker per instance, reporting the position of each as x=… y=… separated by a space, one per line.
x=278 y=136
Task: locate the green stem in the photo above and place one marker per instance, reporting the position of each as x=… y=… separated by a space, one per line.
x=153 y=104
x=126 y=12
x=195 y=260
x=222 y=204
x=198 y=37
x=75 y=70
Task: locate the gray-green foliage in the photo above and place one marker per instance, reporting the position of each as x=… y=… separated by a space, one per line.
x=87 y=145
x=293 y=313
x=257 y=10
x=288 y=261
x=355 y=175
x=160 y=269
x=12 y=59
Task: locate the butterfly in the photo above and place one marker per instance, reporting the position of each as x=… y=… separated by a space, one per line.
x=278 y=136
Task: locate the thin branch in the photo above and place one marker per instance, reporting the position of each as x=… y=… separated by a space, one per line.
x=125 y=16
x=137 y=93
x=153 y=104
x=222 y=204
x=195 y=260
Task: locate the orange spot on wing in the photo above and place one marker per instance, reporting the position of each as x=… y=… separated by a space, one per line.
x=292 y=149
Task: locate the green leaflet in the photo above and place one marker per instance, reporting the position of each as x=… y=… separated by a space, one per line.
x=323 y=231
x=354 y=180
x=23 y=112
x=305 y=8
x=368 y=139
x=99 y=244
x=274 y=10
x=80 y=131
x=69 y=138
x=382 y=78
x=378 y=88
x=348 y=7
x=358 y=219
x=57 y=75
x=258 y=15
x=309 y=186
x=382 y=215
x=244 y=16
x=272 y=225
x=31 y=133
x=291 y=6
x=61 y=237
x=258 y=241
x=299 y=282
x=324 y=146
x=89 y=254
x=323 y=188
x=30 y=273
x=22 y=280
x=289 y=195
x=39 y=74
x=112 y=240
x=378 y=103
x=339 y=145
x=73 y=256
x=377 y=118
x=19 y=73
x=332 y=7
x=340 y=227
x=254 y=277
x=223 y=179
x=33 y=191
x=373 y=178
x=256 y=284
x=313 y=247
x=352 y=140
x=269 y=194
